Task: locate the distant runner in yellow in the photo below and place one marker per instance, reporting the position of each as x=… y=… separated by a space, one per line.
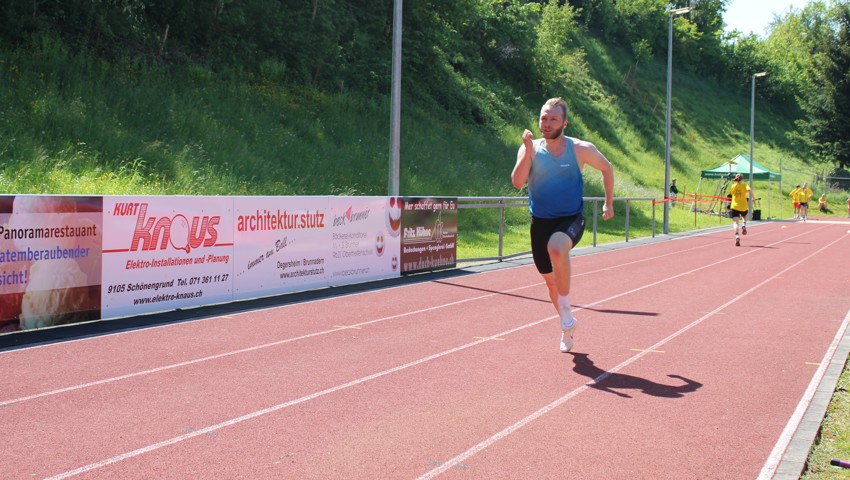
x=803 y=197
x=796 y=201
x=740 y=191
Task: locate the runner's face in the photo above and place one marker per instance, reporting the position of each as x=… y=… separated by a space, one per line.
x=552 y=121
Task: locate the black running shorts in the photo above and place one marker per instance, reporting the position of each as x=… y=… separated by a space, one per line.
x=542 y=230
x=738 y=213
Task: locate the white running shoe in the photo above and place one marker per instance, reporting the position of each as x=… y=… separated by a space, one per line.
x=567 y=333
x=566 y=341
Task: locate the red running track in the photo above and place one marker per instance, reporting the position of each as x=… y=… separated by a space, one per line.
x=692 y=357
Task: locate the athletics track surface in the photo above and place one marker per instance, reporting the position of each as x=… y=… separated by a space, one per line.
x=693 y=359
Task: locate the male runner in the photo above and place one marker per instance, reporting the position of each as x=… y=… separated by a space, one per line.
x=552 y=167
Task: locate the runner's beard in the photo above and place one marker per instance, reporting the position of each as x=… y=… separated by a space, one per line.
x=553 y=134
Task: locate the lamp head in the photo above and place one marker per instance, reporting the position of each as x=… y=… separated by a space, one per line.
x=680 y=11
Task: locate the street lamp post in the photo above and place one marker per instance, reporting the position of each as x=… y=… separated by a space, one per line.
x=673 y=12
x=752 y=129
x=395 y=107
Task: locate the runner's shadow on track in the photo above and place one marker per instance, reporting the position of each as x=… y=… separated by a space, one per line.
x=524 y=297
x=612 y=382
x=618 y=312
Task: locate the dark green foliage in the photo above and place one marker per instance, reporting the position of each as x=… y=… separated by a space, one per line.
x=708 y=18
x=103 y=25
x=457 y=53
x=827 y=125
x=482 y=63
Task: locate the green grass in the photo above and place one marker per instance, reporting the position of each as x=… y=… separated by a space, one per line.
x=834 y=438
x=74 y=124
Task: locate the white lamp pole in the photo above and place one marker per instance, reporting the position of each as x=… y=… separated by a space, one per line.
x=752 y=129
x=395 y=113
x=673 y=12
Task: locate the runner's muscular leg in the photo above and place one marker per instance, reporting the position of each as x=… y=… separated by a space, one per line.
x=558 y=282
x=553 y=290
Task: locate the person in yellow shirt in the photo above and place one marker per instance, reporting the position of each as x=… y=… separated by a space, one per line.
x=795 y=201
x=740 y=191
x=822 y=203
x=803 y=197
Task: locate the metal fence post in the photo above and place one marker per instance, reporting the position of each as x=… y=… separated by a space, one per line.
x=653 y=219
x=627 y=220
x=501 y=225
x=594 y=222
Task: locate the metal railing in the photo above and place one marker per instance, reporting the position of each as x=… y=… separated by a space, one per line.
x=503 y=203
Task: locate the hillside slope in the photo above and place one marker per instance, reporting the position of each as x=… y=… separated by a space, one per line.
x=72 y=123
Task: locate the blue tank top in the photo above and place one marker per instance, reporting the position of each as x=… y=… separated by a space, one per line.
x=555 y=186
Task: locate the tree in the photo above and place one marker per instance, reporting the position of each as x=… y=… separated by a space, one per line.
x=795 y=42
x=826 y=127
x=708 y=18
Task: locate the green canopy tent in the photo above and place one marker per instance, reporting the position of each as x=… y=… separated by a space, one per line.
x=740 y=164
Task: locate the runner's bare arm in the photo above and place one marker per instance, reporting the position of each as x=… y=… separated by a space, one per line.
x=523 y=160
x=588 y=154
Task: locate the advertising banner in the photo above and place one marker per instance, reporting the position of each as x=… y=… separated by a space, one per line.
x=429 y=233
x=365 y=239
x=163 y=253
x=68 y=259
x=282 y=245
x=50 y=260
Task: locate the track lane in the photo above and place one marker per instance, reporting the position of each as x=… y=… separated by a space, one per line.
x=528 y=303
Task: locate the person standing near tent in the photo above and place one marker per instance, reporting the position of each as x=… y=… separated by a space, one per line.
x=740 y=191
x=803 y=196
x=552 y=166
x=796 y=201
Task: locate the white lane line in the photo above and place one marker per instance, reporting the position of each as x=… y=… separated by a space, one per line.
x=775 y=457
x=258 y=413
x=815 y=221
x=250 y=416
x=336 y=297
x=235 y=314
x=246 y=350
x=546 y=409
x=289 y=340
